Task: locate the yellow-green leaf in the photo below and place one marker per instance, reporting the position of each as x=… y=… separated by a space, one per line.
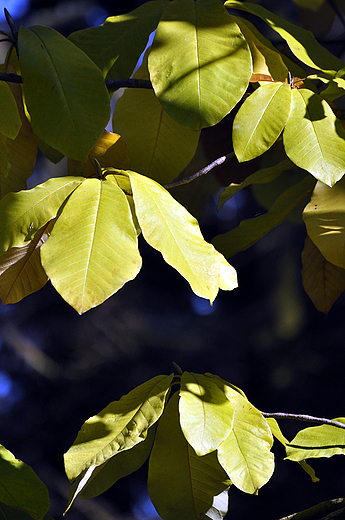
x=10 y=122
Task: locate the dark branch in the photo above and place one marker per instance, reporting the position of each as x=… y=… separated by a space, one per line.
x=323 y=511
x=307 y=418
x=11 y=78
x=114 y=84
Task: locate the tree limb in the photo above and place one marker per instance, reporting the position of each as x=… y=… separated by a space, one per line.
x=307 y=418
x=323 y=511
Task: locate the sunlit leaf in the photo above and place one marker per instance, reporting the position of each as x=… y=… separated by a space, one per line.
x=196 y=82
x=10 y=122
x=313 y=138
x=260 y=120
x=167 y=226
x=158 y=146
x=193 y=482
x=93 y=249
x=206 y=415
x=59 y=82
x=120 y=426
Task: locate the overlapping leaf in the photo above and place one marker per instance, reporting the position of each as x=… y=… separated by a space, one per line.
x=120 y=426
x=313 y=138
x=10 y=122
x=59 y=82
x=168 y=227
x=93 y=250
x=195 y=484
x=260 y=120
x=196 y=82
x=206 y=415
x=157 y=145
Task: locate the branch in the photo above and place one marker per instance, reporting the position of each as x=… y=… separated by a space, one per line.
x=307 y=418
x=11 y=78
x=324 y=511
x=201 y=172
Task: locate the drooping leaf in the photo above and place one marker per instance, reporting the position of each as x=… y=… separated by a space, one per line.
x=59 y=82
x=157 y=145
x=249 y=231
x=260 y=120
x=322 y=281
x=120 y=426
x=206 y=415
x=22 y=214
x=10 y=122
x=324 y=218
x=317 y=441
x=20 y=487
x=116 y=46
x=313 y=138
x=194 y=483
x=168 y=227
x=93 y=249
x=198 y=83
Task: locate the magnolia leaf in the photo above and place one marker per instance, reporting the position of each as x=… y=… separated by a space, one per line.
x=49 y=152
x=206 y=415
x=311 y=5
x=324 y=218
x=10 y=121
x=245 y=454
x=59 y=81
x=317 y=441
x=120 y=426
x=301 y=42
x=322 y=281
x=157 y=145
x=168 y=227
x=20 y=487
x=251 y=230
x=260 y=120
x=222 y=384
x=22 y=214
x=313 y=138
x=195 y=484
x=116 y=46
x=110 y=152
x=93 y=249
x=198 y=83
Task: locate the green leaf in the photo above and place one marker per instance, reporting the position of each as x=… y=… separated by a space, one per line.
x=157 y=146
x=93 y=249
x=196 y=82
x=181 y=484
x=249 y=231
x=245 y=454
x=260 y=120
x=311 y=5
x=324 y=218
x=116 y=46
x=301 y=42
x=206 y=415
x=20 y=487
x=10 y=121
x=168 y=227
x=22 y=214
x=120 y=426
x=59 y=81
x=313 y=138
x=317 y=441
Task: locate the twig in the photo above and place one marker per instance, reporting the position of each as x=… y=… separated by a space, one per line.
x=201 y=172
x=113 y=84
x=307 y=418
x=11 y=78
x=323 y=511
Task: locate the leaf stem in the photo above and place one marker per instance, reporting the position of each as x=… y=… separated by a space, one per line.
x=302 y=417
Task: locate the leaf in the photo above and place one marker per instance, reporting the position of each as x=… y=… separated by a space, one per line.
x=317 y=441
x=322 y=281
x=110 y=151
x=324 y=218
x=116 y=46
x=158 y=146
x=311 y=5
x=59 y=81
x=120 y=426
x=301 y=42
x=193 y=482
x=10 y=122
x=168 y=227
x=10 y=513
x=93 y=249
x=22 y=214
x=249 y=231
x=206 y=415
x=313 y=138
x=20 y=487
x=245 y=454
x=260 y=120
x=196 y=82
